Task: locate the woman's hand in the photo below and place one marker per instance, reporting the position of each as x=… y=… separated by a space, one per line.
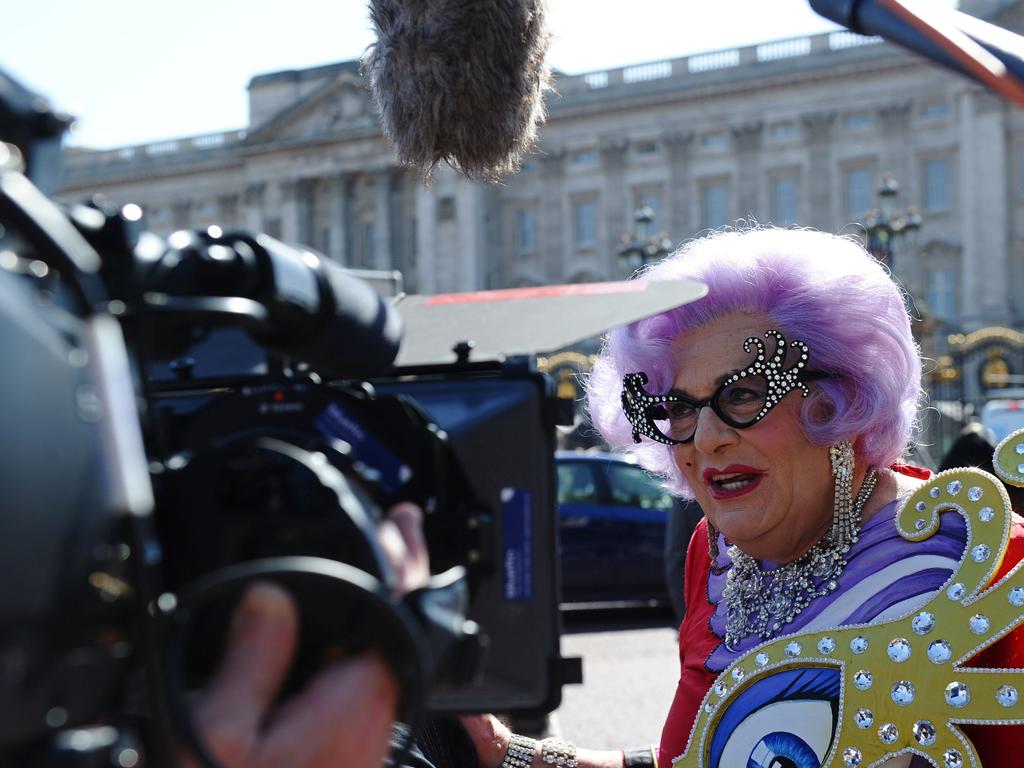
x=490 y=736
x=343 y=717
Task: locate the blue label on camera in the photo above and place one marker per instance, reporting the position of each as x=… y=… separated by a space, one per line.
x=517 y=544
x=387 y=471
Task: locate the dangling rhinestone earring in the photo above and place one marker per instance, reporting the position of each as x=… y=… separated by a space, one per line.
x=841 y=457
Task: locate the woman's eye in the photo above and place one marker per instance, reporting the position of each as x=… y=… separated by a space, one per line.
x=741 y=395
x=680 y=411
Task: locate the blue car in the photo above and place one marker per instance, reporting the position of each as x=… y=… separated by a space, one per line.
x=612 y=518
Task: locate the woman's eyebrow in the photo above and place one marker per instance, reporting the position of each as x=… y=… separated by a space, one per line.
x=716 y=383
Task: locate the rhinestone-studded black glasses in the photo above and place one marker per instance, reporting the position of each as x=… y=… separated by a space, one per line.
x=741 y=401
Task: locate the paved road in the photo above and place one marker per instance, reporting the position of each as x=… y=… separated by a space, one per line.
x=630 y=668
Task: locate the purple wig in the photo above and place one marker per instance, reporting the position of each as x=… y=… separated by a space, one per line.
x=822 y=289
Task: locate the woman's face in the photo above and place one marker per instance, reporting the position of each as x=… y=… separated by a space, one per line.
x=767 y=488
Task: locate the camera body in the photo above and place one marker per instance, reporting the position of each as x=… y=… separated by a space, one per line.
x=190 y=415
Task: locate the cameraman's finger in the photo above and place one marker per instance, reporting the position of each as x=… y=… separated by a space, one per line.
x=260 y=645
x=414 y=569
x=344 y=717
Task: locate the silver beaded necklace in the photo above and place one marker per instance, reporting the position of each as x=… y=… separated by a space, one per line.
x=760 y=602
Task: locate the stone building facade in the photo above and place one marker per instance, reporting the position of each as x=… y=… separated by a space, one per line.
x=797 y=131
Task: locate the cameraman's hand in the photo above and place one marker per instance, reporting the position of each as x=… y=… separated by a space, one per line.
x=344 y=715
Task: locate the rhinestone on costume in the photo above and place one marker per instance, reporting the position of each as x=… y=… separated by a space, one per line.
x=935 y=492
x=1007 y=695
x=979 y=624
x=957 y=695
x=851 y=757
x=974 y=493
x=954 y=487
x=981 y=553
x=794 y=649
x=923 y=623
x=985 y=514
x=888 y=733
x=899 y=650
x=924 y=733
x=1016 y=596
x=863 y=718
x=761 y=659
x=1019 y=449
x=921 y=506
x=939 y=652
x=721 y=688
x=903 y=693
x=956 y=591
x=826 y=645
x=709 y=707
x=952 y=759
x=738 y=674
x=862 y=680
x=859 y=644
x=1020 y=469
x=920 y=524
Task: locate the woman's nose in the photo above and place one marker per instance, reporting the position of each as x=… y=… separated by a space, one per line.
x=712 y=434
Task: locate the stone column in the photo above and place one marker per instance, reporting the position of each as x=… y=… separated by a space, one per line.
x=552 y=215
x=182 y=214
x=253 y=203
x=426 y=241
x=817 y=138
x=615 y=205
x=339 y=197
x=469 y=218
x=982 y=199
x=679 y=145
x=227 y=210
x=894 y=122
x=746 y=140
x=382 y=222
x=289 y=211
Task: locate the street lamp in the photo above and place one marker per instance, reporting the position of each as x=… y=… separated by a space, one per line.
x=887 y=225
x=639 y=247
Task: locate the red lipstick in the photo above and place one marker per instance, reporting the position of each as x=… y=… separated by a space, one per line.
x=732 y=481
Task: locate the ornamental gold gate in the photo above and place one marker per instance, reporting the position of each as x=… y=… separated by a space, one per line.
x=987 y=364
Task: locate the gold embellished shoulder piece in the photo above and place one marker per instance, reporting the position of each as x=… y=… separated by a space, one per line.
x=855 y=696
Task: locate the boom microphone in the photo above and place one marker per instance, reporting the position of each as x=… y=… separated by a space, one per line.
x=460 y=82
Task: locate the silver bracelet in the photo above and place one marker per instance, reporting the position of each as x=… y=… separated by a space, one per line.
x=520 y=752
x=558 y=752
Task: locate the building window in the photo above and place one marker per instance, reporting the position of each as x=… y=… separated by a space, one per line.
x=715 y=140
x=647 y=148
x=782 y=131
x=584 y=157
x=934 y=109
x=585 y=223
x=935 y=184
x=446 y=208
x=783 y=200
x=859 y=195
x=857 y=121
x=525 y=230
x=940 y=293
x=714 y=199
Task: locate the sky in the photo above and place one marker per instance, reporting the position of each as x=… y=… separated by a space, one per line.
x=136 y=71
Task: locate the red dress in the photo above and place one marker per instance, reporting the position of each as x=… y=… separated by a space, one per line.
x=997 y=745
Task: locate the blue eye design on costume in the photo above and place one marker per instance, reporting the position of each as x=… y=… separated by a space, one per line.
x=784 y=720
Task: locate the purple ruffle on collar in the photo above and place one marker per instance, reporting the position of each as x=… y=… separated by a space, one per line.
x=886 y=577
